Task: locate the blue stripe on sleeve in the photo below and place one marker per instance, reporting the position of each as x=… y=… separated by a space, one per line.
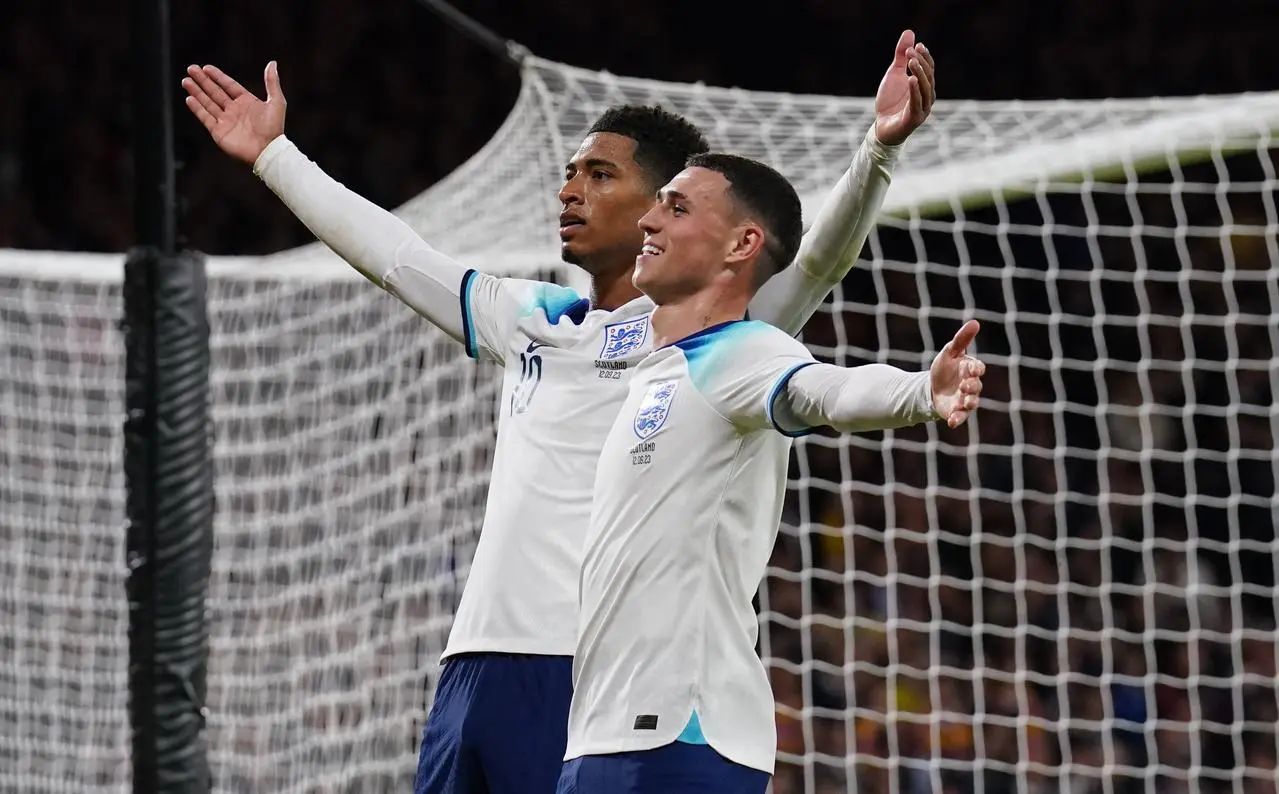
x=776 y=392
x=468 y=327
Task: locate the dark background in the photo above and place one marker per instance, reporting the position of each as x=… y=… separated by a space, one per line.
x=388 y=98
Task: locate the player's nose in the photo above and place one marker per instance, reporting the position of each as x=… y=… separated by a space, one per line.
x=571 y=191
x=648 y=223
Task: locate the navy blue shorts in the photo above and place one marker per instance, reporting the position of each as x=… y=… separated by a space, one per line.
x=677 y=768
x=499 y=725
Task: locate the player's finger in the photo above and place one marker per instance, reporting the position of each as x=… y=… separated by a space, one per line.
x=203 y=116
x=963 y=338
x=273 y=91
x=210 y=88
x=956 y=418
x=225 y=82
x=970 y=385
x=923 y=68
x=916 y=97
x=200 y=99
x=927 y=56
x=196 y=77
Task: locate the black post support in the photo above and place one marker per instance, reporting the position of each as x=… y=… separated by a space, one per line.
x=167 y=445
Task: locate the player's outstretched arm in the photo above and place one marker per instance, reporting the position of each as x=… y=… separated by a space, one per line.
x=882 y=397
x=373 y=241
x=837 y=234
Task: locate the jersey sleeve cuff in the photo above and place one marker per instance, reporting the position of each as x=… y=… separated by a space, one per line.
x=468 y=325
x=777 y=391
x=926 y=404
x=881 y=152
x=273 y=150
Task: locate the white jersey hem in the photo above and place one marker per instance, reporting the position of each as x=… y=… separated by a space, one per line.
x=641 y=745
x=525 y=646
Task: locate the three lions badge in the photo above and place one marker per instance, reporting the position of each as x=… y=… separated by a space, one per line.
x=654 y=408
x=622 y=339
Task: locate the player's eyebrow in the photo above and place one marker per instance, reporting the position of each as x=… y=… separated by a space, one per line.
x=594 y=162
x=671 y=195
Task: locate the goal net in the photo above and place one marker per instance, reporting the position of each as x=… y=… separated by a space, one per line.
x=1075 y=591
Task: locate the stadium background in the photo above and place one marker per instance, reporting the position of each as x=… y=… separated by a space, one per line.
x=388 y=100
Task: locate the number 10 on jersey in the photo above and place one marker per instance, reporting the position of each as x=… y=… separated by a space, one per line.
x=530 y=377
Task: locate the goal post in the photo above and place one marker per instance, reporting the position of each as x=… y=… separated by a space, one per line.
x=1076 y=587
x=167 y=446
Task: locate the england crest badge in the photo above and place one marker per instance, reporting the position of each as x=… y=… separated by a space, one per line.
x=655 y=407
x=622 y=339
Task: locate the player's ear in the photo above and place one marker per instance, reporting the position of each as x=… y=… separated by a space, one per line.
x=747 y=242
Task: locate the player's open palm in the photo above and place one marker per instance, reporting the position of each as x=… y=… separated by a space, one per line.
x=956 y=377
x=241 y=124
x=907 y=92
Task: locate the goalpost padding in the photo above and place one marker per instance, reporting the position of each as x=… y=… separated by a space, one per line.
x=168 y=470
x=1007 y=599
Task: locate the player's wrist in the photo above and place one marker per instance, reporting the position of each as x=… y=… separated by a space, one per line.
x=884 y=152
x=927 y=401
x=272 y=150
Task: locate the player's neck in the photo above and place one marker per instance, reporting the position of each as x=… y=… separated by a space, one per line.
x=679 y=319
x=613 y=288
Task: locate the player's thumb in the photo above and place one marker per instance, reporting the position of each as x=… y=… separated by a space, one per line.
x=904 y=43
x=273 y=91
x=964 y=337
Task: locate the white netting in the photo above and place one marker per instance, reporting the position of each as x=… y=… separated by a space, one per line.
x=1098 y=545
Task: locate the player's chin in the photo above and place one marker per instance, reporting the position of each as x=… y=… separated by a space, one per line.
x=570 y=253
x=646 y=275
x=640 y=275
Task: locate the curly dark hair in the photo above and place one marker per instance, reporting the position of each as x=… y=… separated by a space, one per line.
x=663 y=140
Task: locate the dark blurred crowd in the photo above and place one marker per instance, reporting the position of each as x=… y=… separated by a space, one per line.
x=1077 y=590
x=389 y=99
x=1030 y=612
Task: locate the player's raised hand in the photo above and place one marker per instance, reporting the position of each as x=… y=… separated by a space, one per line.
x=907 y=92
x=241 y=124
x=956 y=377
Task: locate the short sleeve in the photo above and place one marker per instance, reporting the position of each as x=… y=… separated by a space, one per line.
x=492 y=309
x=740 y=368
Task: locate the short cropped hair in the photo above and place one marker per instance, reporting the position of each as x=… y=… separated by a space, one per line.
x=663 y=140
x=769 y=198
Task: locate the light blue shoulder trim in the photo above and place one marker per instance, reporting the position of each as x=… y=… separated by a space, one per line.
x=704 y=351
x=558 y=302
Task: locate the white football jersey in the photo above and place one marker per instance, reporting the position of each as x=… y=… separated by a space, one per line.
x=566 y=375
x=688 y=496
x=566 y=370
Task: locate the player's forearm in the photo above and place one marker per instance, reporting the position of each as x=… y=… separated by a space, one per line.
x=838 y=233
x=373 y=241
x=834 y=241
x=857 y=399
